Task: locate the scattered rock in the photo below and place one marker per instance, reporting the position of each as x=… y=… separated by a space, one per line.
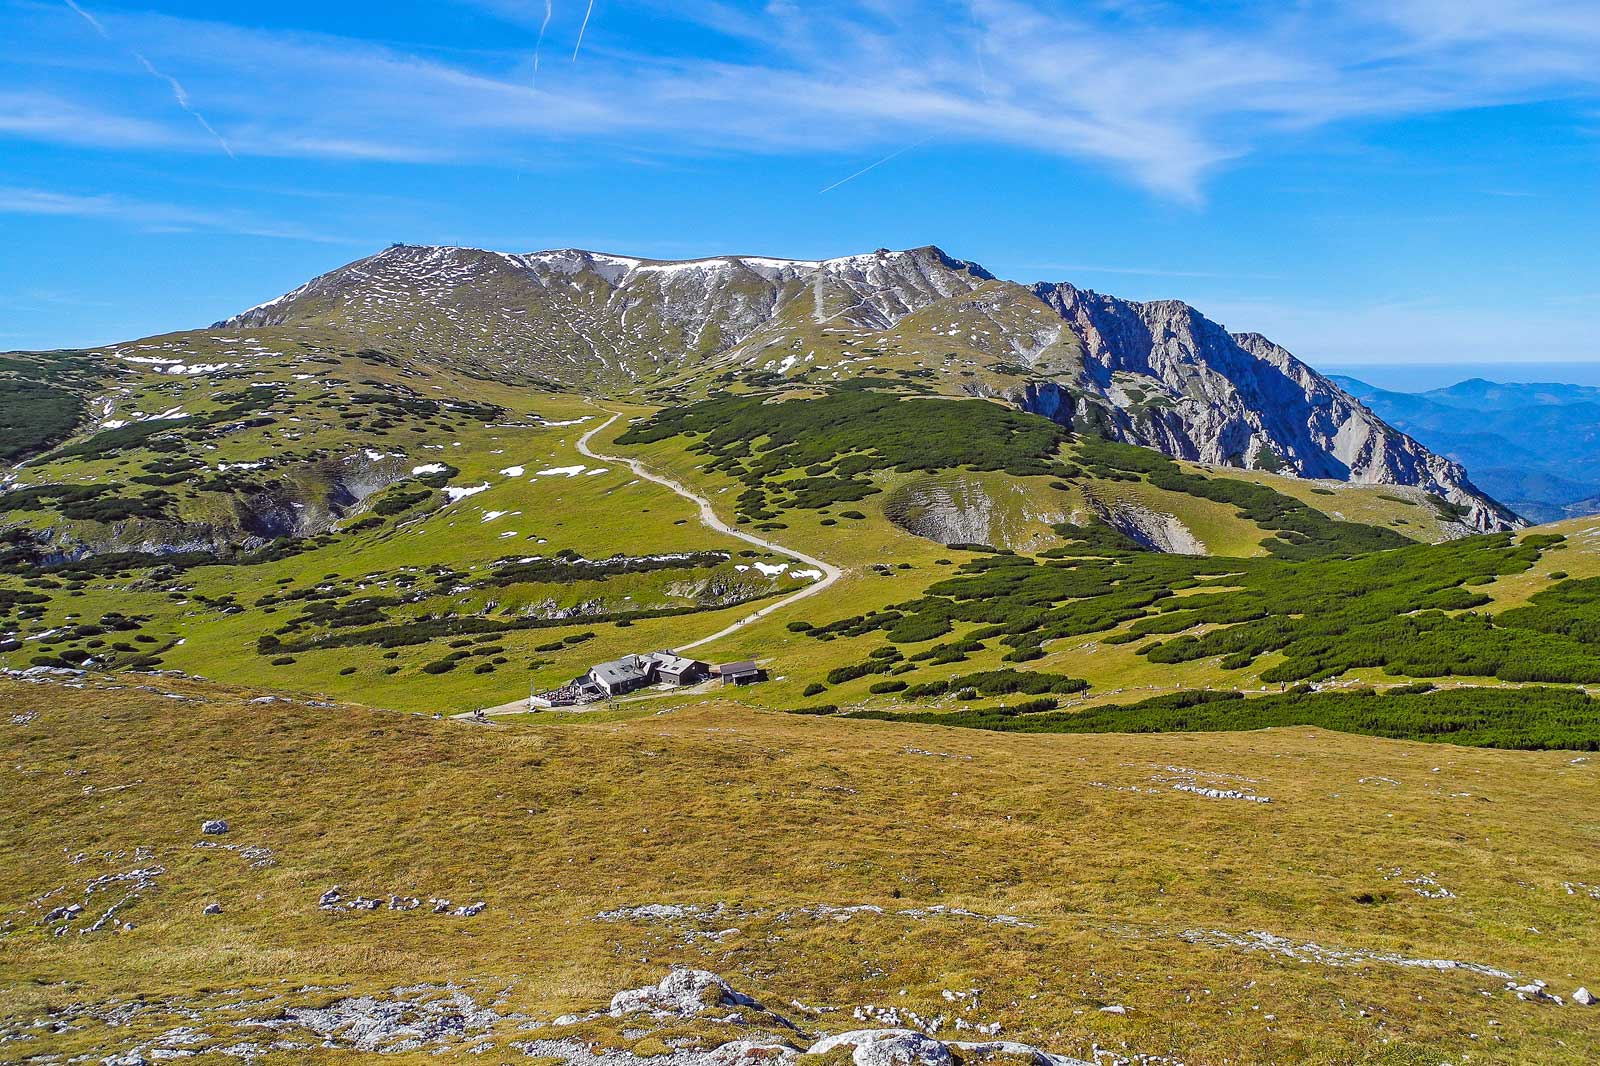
x=907 y=1047
x=366 y=1023
x=1013 y=1049
x=133 y=1057
x=649 y=912
x=333 y=900
x=1222 y=793
x=1307 y=951
x=750 y=1053
x=1533 y=992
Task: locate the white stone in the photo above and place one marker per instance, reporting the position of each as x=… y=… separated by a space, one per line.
x=888 y=1047
x=680 y=994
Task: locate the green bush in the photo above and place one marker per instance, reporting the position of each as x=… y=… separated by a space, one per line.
x=1525 y=718
x=835 y=438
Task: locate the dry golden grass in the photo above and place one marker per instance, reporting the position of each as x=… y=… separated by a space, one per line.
x=770 y=814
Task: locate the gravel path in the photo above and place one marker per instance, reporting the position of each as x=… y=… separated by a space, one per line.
x=708 y=517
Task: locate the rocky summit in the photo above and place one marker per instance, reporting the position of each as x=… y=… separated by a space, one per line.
x=1157 y=374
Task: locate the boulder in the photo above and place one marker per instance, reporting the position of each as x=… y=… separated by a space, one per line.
x=1583 y=997
x=214 y=827
x=211 y=908
x=888 y=1047
x=750 y=1053
x=680 y=994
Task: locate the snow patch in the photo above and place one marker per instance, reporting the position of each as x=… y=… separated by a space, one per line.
x=456 y=494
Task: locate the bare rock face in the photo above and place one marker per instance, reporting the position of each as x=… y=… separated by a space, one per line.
x=1155 y=530
x=954 y=508
x=1164 y=376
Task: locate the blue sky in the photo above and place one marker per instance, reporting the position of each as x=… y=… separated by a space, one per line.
x=1413 y=181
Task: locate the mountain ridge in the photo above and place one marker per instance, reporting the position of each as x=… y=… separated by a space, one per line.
x=1154 y=373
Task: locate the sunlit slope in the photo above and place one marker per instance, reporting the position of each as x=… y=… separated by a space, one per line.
x=286 y=506
x=1226 y=929
x=225 y=501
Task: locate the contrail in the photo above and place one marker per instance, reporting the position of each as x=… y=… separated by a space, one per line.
x=540 y=42
x=90 y=19
x=585 y=26
x=871 y=166
x=179 y=93
x=977 y=50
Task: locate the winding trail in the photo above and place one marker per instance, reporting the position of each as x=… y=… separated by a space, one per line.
x=708 y=517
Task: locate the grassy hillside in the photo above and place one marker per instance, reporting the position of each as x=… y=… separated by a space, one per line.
x=1021 y=882
x=281 y=507
x=298 y=514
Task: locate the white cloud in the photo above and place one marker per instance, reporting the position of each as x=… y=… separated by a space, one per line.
x=1148 y=89
x=145 y=215
x=41 y=116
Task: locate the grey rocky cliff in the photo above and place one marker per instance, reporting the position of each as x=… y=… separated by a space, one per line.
x=1162 y=375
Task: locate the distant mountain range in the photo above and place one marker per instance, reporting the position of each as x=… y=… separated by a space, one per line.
x=1536 y=447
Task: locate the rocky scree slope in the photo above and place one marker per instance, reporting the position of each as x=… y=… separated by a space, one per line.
x=1157 y=374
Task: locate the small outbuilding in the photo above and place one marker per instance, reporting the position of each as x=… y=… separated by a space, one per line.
x=745 y=672
x=676 y=670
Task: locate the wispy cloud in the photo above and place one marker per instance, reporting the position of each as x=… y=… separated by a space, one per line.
x=43 y=116
x=148 y=216
x=1152 y=272
x=1149 y=90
